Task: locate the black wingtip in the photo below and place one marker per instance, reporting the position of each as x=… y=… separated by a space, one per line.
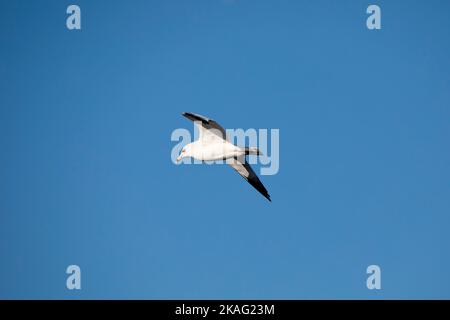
x=188 y=114
x=195 y=117
x=266 y=195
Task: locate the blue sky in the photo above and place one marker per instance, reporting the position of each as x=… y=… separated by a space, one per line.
x=86 y=177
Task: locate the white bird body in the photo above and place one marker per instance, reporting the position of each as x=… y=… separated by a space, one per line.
x=213 y=150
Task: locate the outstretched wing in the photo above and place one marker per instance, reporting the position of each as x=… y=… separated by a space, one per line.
x=244 y=169
x=208 y=128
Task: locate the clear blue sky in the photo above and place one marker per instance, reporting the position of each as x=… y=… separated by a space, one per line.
x=85 y=170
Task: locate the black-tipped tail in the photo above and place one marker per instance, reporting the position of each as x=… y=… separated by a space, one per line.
x=252 y=150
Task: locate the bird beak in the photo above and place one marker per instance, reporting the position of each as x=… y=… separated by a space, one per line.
x=179 y=158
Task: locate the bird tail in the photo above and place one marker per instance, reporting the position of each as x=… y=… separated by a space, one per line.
x=252 y=150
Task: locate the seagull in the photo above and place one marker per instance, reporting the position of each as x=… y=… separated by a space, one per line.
x=212 y=145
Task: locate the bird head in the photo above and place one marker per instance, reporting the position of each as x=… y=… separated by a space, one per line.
x=185 y=152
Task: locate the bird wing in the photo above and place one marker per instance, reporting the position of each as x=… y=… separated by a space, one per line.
x=244 y=169
x=208 y=128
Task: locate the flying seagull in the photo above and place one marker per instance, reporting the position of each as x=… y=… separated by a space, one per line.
x=213 y=145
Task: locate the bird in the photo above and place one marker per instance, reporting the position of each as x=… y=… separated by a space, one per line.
x=213 y=145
